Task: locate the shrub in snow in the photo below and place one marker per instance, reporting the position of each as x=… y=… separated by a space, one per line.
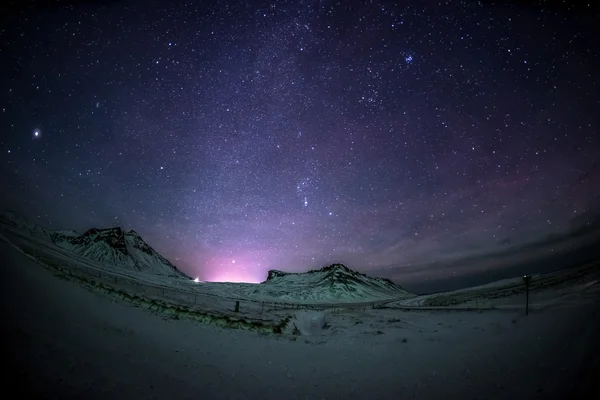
x=310 y=322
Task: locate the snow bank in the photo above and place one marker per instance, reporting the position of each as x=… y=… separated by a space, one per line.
x=310 y=323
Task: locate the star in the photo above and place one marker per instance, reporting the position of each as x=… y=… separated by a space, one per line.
x=385 y=115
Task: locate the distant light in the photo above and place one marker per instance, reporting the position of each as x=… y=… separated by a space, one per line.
x=196 y=279
x=233 y=261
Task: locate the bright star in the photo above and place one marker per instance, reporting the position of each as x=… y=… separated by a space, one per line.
x=36 y=133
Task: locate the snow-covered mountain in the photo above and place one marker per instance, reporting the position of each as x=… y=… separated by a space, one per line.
x=114 y=246
x=25 y=227
x=333 y=283
x=119 y=248
x=111 y=246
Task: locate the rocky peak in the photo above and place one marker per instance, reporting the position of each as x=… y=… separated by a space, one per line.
x=336 y=268
x=273 y=273
x=114 y=237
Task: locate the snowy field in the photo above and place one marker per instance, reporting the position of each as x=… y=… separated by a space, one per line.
x=545 y=290
x=67 y=341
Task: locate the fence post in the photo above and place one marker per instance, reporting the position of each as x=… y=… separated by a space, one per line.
x=237 y=306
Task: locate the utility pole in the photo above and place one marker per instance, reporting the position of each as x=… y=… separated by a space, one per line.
x=526 y=280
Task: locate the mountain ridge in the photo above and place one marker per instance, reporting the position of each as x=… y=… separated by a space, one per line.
x=112 y=246
x=120 y=248
x=334 y=281
x=127 y=250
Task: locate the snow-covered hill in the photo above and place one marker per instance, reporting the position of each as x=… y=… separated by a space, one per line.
x=333 y=283
x=25 y=227
x=112 y=246
x=119 y=248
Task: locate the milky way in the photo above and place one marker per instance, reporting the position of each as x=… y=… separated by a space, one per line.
x=237 y=137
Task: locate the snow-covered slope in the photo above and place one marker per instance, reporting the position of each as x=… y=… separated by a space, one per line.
x=119 y=248
x=14 y=221
x=66 y=232
x=333 y=283
x=110 y=246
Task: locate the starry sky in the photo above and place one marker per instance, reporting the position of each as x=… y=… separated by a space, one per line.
x=408 y=140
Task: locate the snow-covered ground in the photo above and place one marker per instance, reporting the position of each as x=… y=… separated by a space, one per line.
x=65 y=341
x=544 y=290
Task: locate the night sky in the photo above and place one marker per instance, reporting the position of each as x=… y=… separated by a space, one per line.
x=238 y=137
